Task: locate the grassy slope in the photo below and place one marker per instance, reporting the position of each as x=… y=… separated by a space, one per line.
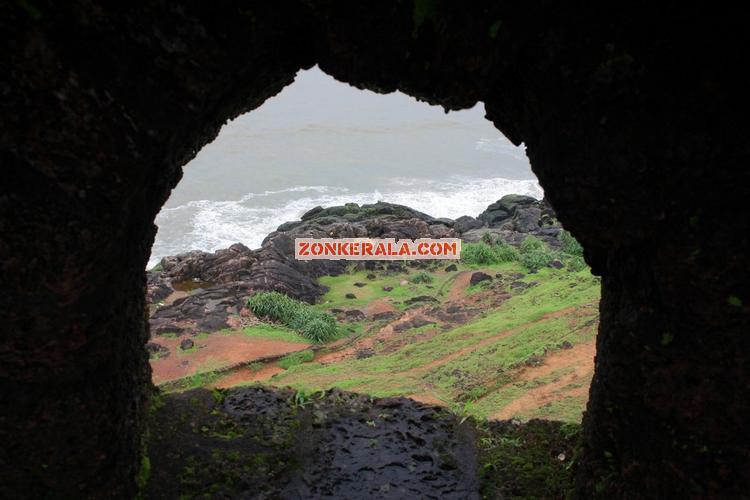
x=560 y=307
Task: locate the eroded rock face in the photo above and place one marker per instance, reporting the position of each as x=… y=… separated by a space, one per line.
x=222 y=266
x=632 y=120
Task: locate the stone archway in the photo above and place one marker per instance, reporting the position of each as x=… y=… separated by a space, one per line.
x=631 y=124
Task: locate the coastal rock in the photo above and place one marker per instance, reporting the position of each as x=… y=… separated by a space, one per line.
x=222 y=266
x=466 y=223
x=203 y=311
x=157 y=287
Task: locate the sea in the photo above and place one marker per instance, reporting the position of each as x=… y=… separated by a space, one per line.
x=323 y=142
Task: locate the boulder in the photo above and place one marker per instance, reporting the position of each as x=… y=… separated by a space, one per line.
x=479 y=277
x=222 y=266
x=466 y=223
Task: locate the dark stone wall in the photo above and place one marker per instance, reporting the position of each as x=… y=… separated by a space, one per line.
x=102 y=104
x=633 y=122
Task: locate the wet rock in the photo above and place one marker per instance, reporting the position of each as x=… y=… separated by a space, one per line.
x=527 y=220
x=441 y=231
x=359 y=284
x=350 y=296
x=354 y=315
x=420 y=299
x=557 y=264
x=288 y=226
x=479 y=277
x=222 y=266
x=157 y=287
x=203 y=311
x=395 y=267
x=186 y=344
x=371 y=276
x=387 y=288
x=465 y=223
x=451 y=268
x=386 y=315
x=519 y=285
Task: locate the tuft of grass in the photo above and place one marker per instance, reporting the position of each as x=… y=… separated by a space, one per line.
x=576 y=264
x=296 y=358
x=421 y=277
x=535 y=254
x=569 y=244
x=531 y=243
x=144 y=472
x=505 y=252
x=480 y=254
x=314 y=325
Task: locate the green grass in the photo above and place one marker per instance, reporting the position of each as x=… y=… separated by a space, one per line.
x=340 y=285
x=273 y=332
x=481 y=379
x=569 y=244
x=296 y=358
x=400 y=372
x=421 y=277
x=516 y=461
x=482 y=254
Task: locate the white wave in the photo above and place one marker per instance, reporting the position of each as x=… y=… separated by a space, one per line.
x=211 y=225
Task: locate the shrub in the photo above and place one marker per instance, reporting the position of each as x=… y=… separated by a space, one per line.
x=535 y=259
x=505 y=252
x=531 y=243
x=535 y=254
x=576 y=264
x=483 y=254
x=421 y=277
x=296 y=358
x=569 y=244
x=314 y=325
x=478 y=253
x=488 y=238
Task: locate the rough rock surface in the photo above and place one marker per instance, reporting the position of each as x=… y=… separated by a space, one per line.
x=340 y=446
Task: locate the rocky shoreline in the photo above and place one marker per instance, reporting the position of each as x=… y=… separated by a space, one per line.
x=219 y=283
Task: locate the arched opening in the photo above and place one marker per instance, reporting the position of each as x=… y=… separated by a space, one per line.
x=505 y=333
x=622 y=120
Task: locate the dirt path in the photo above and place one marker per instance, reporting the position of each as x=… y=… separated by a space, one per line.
x=385 y=333
x=247 y=375
x=378 y=306
x=214 y=352
x=580 y=357
x=460 y=283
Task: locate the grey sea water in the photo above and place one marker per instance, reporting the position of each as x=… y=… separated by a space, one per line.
x=322 y=142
